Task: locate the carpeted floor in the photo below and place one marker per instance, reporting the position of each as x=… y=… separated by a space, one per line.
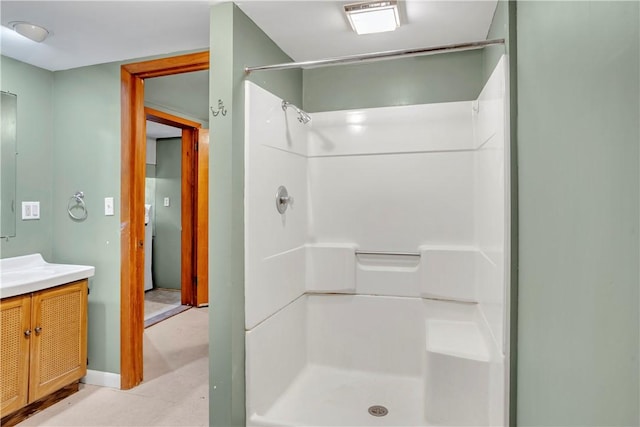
x=160 y=304
x=175 y=390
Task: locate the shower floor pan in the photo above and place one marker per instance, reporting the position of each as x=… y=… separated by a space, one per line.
x=328 y=396
x=325 y=360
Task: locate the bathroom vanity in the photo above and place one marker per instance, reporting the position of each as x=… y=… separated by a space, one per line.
x=43 y=334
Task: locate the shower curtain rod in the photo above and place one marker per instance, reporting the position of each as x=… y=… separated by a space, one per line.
x=377 y=56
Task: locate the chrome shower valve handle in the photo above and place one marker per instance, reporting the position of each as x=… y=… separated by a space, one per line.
x=283 y=200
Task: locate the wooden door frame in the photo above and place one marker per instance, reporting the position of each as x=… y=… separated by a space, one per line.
x=132 y=186
x=188 y=176
x=201 y=288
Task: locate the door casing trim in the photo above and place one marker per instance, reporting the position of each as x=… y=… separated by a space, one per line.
x=188 y=176
x=132 y=180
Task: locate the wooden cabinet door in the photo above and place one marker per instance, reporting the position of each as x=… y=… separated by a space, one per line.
x=59 y=338
x=15 y=317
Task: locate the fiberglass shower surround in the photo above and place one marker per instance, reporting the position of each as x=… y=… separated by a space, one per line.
x=384 y=283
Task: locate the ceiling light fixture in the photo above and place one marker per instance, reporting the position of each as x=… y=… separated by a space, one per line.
x=373 y=17
x=30 y=31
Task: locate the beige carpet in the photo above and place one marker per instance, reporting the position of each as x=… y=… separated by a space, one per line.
x=160 y=304
x=158 y=300
x=175 y=391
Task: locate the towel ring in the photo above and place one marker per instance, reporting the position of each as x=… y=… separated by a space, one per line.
x=78 y=198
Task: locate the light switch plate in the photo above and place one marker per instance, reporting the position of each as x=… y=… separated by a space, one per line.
x=30 y=210
x=108 y=206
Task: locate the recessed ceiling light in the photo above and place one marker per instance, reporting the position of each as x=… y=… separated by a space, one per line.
x=373 y=17
x=30 y=31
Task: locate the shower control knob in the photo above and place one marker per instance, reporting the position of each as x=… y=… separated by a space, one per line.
x=283 y=200
x=286 y=200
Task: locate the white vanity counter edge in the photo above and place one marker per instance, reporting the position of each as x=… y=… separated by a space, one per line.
x=31 y=273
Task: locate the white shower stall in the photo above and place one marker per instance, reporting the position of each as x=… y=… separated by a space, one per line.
x=380 y=296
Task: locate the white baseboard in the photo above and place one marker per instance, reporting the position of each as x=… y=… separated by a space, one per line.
x=104 y=379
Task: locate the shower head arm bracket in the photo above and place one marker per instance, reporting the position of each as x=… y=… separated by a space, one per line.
x=303 y=117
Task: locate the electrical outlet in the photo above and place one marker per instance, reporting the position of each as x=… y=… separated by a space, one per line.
x=30 y=210
x=166 y=201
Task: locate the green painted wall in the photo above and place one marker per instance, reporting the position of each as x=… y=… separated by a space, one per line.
x=34 y=87
x=499 y=29
x=236 y=42
x=184 y=95
x=69 y=140
x=421 y=80
x=579 y=183
x=86 y=156
x=168 y=219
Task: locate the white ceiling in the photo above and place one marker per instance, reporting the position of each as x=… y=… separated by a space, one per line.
x=93 y=32
x=158 y=130
x=308 y=30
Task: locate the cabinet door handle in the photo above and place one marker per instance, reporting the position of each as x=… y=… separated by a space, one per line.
x=27 y=333
x=38 y=330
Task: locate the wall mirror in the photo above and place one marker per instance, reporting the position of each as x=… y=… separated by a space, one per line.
x=8 y=153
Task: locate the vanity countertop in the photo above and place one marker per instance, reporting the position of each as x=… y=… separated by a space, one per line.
x=31 y=273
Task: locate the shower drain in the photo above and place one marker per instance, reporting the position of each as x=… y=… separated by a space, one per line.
x=378 y=411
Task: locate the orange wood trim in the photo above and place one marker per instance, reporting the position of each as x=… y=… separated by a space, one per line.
x=137 y=224
x=132 y=230
x=202 y=219
x=169 y=66
x=188 y=174
x=158 y=116
x=188 y=237
x=133 y=148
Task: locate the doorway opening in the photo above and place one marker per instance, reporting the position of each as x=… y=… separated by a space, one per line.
x=195 y=163
x=168 y=271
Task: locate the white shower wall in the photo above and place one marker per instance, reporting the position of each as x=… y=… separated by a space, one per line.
x=425 y=179
x=400 y=189
x=392 y=202
x=492 y=201
x=275 y=154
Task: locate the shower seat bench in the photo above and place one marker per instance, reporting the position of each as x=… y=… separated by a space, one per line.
x=458 y=366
